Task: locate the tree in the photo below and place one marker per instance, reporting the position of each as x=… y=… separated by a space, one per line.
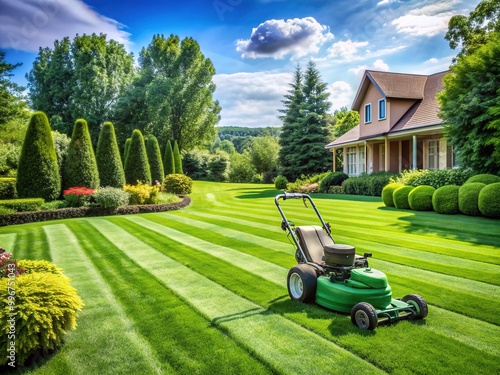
x=126 y=149
x=345 y=120
x=154 y=159
x=108 y=159
x=38 y=173
x=470 y=106
x=137 y=165
x=177 y=159
x=12 y=105
x=81 y=78
x=264 y=154
x=168 y=160
x=80 y=168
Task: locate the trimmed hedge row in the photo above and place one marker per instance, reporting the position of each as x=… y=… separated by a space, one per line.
x=67 y=213
x=25 y=204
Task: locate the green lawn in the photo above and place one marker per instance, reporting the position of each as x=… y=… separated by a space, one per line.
x=203 y=290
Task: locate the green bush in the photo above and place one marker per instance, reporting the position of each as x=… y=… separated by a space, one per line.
x=168 y=159
x=489 y=200
x=126 y=149
x=177 y=159
x=400 y=197
x=38 y=171
x=484 y=179
x=9 y=158
x=218 y=167
x=108 y=159
x=46 y=306
x=80 y=167
x=177 y=184
x=435 y=178
x=23 y=204
x=420 y=198
x=7 y=188
x=280 y=182
x=111 y=197
x=241 y=169
x=6 y=211
x=195 y=164
x=388 y=192
x=142 y=193
x=137 y=165
x=32 y=266
x=154 y=159
x=331 y=179
x=445 y=200
x=468 y=198
x=78 y=196
x=336 y=190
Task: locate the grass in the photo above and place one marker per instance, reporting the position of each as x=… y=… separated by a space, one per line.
x=203 y=290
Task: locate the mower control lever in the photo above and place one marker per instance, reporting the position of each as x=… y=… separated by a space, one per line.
x=367 y=255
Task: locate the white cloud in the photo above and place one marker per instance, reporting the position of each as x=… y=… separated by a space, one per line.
x=346 y=50
x=277 y=38
x=29 y=24
x=385 y=2
x=432 y=60
x=377 y=65
x=251 y=99
x=341 y=94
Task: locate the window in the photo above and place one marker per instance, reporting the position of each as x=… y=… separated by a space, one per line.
x=368 y=113
x=351 y=161
x=381 y=109
x=451 y=157
x=362 y=162
x=433 y=154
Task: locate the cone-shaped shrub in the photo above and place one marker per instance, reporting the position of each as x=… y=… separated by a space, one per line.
x=177 y=159
x=468 y=197
x=168 y=160
x=154 y=159
x=137 y=165
x=126 y=148
x=489 y=200
x=445 y=199
x=108 y=158
x=387 y=193
x=80 y=168
x=38 y=171
x=400 y=197
x=420 y=198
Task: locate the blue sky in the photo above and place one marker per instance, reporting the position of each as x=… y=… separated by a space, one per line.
x=254 y=45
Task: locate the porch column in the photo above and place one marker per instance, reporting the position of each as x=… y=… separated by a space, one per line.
x=387 y=154
x=334 y=159
x=414 y=153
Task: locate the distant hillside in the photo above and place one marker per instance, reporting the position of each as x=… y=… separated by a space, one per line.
x=231 y=132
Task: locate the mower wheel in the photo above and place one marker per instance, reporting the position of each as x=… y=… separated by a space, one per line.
x=421 y=309
x=364 y=316
x=301 y=282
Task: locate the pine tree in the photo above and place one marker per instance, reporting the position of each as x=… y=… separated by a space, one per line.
x=168 y=159
x=177 y=159
x=154 y=158
x=80 y=167
x=38 y=171
x=108 y=159
x=137 y=165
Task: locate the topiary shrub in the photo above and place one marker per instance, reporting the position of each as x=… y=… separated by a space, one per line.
x=111 y=198
x=142 y=193
x=177 y=158
x=137 y=165
x=445 y=200
x=126 y=149
x=80 y=167
x=280 y=182
x=23 y=204
x=387 y=193
x=484 y=178
x=489 y=200
x=38 y=171
x=400 y=197
x=168 y=159
x=468 y=197
x=154 y=159
x=108 y=159
x=7 y=188
x=331 y=179
x=420 y=198
x=177 y=184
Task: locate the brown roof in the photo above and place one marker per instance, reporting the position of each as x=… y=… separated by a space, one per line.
x=398 y=85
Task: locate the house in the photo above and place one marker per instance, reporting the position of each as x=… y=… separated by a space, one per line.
x=399 y=125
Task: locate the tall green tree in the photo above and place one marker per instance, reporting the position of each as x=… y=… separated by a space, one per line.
x=126 y=149
x=38 y=174
x=137 y=165
x=12 y=104
x=154 y=159
x=80 y=167
x=264 y=153
x=80 y=78
x=168 y=159
x=177 y=158
x=108 y=159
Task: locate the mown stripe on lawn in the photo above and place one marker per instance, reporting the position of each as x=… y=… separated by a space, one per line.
x=281 y=343
x=7 y=241
x=32 y=244
x=84 y=351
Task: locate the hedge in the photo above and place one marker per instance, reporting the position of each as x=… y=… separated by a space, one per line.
x=420 y=198
x=23 y=204
x=468 y=197
x=445 y=200
x=489 y=200
x=332 y=179
x=400 y=197
x=7 y=188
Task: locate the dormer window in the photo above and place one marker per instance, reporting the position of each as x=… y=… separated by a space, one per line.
x=382 y=109
x=368 y=113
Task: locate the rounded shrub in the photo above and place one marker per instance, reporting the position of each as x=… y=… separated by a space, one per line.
x=108 y=158
x=400 y=197
x=168 y=159
x=111 y=197
x=489 y=200
x=154 y=159
x=7 y=187
x=280 y=182
x=38 y=171
x=484 y=178
x=468 y=197
x=31 y=266
x=445 y=200
x=137 y=165
x=142 y=193
x=177 y=184
x=420 y=198
x=331 y=179
x=388 y=191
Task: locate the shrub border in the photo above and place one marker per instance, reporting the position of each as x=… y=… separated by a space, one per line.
x=67 y=213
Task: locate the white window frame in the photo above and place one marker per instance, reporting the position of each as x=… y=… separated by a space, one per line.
x=433 y=154
x=351 y=161
x=361 y=159
x=368 y=113
x=382 y=103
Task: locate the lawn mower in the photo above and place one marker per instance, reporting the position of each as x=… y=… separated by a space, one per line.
x=335 y=277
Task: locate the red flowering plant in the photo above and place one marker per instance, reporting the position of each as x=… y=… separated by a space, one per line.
x=78 y=196
x=8 y=265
